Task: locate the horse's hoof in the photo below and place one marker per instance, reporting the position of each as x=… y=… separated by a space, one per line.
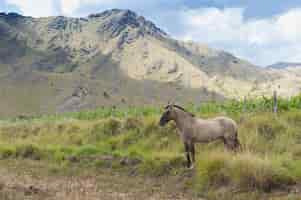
x=191 y=167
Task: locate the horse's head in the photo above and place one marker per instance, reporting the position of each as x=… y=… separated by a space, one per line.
x=167 y=115
x=173 y=112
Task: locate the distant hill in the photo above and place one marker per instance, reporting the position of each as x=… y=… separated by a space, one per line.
x=282 y=65
x=58 y=64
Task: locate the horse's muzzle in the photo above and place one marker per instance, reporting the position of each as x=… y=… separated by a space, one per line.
x=162 y=122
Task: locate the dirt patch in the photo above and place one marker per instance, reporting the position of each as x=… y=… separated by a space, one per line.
x=105 y=185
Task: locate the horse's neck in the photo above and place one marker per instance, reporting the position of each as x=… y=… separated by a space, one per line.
x=182 y=119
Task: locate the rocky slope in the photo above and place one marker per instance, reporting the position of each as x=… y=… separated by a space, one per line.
x=285 y=78
x=113 y=58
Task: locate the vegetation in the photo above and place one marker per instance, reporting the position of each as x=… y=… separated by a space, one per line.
x=229 y=107
x=131 y=140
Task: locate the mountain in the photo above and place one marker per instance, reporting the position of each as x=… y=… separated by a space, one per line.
x=58 y=64
x=283 y=65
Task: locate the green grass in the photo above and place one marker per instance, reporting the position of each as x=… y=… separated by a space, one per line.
x=233 y=108
x=124 y=140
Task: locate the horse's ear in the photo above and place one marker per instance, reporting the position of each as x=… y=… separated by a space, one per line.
x=168 y=105
x=165 y=107
x=172 y=104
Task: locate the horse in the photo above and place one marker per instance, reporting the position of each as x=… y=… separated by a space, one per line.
x=196 y=130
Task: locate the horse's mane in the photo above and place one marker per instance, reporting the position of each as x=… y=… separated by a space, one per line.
x=181 y=108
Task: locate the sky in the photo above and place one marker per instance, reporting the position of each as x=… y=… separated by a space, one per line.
x=260 y=31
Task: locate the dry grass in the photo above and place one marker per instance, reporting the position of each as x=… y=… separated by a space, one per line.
x=269 y=161
x=36 y=181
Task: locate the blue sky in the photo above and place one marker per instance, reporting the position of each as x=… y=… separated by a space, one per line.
x=261 y=31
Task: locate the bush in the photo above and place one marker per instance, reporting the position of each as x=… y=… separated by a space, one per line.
x=6 y=152
x=87 y=150
x=244 y=171
x=150 y=126
x=155 y=167
x=96 y=132
x=132 y=124
x=112 y=127
x=254 y=173
x=294 y=117
x=269 y=129
x=212 y=171
x=29 y=151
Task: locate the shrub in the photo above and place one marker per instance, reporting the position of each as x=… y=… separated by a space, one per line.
x=132 y=123
x=73 y=129
x=211 y=171
x=87 y=150
x=252 y=172
x=6 y=152
x=61 y=128
x=294 y=117
x=29 y=151
x=244 y=171
x=96 y=132
x=268 y=131
x=112 y=127
x=150 y=126
x=155 y=167
x=61 y=153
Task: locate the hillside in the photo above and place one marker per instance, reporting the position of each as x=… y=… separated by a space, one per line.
x=116 y=57
x=283 y=65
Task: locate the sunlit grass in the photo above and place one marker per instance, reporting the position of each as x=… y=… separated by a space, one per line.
x=269 y=160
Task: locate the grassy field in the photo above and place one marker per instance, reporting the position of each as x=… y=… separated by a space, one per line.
x=130 y=141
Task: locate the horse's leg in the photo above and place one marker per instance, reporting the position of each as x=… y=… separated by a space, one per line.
x=187 y=150
x=225 y=142
x=192 y=150
x=237 y=144
x=229 y=143
x=232 y=144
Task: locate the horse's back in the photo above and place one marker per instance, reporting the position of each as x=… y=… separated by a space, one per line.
x=228 y=124
x=225 y=120
x=206 y=130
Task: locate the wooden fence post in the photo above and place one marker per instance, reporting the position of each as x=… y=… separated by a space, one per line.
x=275 y=102
x=244 y=106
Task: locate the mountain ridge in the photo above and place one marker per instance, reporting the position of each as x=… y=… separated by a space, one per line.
x=283 y=65
x=98 y=52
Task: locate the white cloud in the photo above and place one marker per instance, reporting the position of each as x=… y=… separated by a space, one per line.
x=262 y=41
x=35 y=8
x=69 y=7
x=42 y=8
x=73 y=7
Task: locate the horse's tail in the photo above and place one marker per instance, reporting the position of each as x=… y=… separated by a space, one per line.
x=237 y=144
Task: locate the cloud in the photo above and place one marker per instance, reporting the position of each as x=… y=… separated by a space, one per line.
x=69 y=7
x=35 y=8
x=262 y=41
x=146 y=8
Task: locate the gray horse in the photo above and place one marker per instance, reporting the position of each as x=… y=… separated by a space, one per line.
x=196 y=130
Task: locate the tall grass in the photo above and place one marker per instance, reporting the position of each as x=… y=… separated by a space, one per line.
x=229 y=107
x=124 y=140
